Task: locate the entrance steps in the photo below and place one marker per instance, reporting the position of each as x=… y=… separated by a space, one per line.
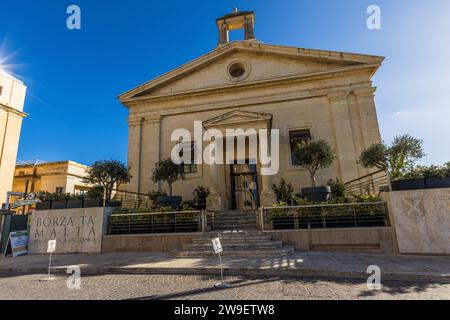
x=235 y=243
x=234 y=220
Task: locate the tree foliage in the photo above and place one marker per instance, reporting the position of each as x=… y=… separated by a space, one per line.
x=315 y=155
x=108 y=174
x=283 y=191
x=169 y=172
x=398 y=159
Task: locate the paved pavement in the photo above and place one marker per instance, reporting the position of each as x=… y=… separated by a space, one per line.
x=175 y=287
x=315 y=264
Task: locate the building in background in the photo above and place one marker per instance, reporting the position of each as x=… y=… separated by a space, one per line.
x=12 y=98
x=53 y=177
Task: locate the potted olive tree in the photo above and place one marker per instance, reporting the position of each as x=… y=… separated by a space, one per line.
x=397 y=160
x=107 y=175
x=313 y=156
x=168 y=172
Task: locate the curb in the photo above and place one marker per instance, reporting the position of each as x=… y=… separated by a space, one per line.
x=250 y=272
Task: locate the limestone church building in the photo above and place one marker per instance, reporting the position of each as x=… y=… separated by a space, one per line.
x=305 y=93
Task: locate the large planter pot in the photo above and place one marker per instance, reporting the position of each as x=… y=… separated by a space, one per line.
x=113 y=204
x=437 y=183
x=93 y=203
x=59 y=204
x=74 y=204
x=173 y=202
x=317 y=194
x=414 y=184
x=43 y=205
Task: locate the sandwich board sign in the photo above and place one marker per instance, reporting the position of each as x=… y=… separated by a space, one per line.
x=217 y=245
x=17 y=244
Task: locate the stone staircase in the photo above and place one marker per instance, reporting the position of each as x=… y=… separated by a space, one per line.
x=234 y=220
x=239 y=237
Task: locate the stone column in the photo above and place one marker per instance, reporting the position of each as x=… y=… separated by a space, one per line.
x=214 y=202
x=346 y=153
x=267 y=194
x=134 y=151
x=151 y=151
x=368 y=115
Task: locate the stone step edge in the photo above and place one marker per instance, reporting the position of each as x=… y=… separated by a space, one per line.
x=232 y=271
x=238 y=244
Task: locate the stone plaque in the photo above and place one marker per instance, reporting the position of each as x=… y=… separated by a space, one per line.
x=422 y=220
x=75 y=230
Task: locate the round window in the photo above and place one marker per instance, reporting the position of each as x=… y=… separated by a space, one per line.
x=237 y=70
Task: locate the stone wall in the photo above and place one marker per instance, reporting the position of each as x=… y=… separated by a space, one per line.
x=75 y=230
x=422 y=220
x=147 y=242
x=367 y=240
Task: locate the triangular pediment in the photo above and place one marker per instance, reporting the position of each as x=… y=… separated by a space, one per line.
x=238 y=117
x=262 y=63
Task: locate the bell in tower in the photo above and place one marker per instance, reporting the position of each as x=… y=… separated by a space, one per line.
x=234 y=21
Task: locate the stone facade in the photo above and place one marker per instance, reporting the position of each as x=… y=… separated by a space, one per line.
x=328 y=93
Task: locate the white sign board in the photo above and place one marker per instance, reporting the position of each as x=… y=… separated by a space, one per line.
x=51 y=247
x=217 y=245
x=19 y=243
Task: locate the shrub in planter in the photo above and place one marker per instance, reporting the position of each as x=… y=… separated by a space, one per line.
x=75 y=201
x=283 y=191
x=200 y=195
x=43 y=205
x=59 y=204
x=313 y=156
x=93 y=203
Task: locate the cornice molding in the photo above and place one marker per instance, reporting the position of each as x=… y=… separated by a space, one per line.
x=251 y=85
x=13 y=111
x=270 y=98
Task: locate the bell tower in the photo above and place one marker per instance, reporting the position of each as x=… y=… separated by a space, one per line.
x=234 y=21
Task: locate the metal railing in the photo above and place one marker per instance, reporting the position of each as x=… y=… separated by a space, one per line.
x=372 y=183
x=134 y=200
x=159 y=222
x=349 y=215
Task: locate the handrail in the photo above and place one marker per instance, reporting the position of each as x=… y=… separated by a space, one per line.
x=364 y=177
x=325 y=205
x=151 y=213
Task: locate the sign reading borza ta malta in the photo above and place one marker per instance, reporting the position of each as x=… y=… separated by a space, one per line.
x=76 y=230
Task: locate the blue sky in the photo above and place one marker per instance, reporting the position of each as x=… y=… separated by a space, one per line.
x=74 y=77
